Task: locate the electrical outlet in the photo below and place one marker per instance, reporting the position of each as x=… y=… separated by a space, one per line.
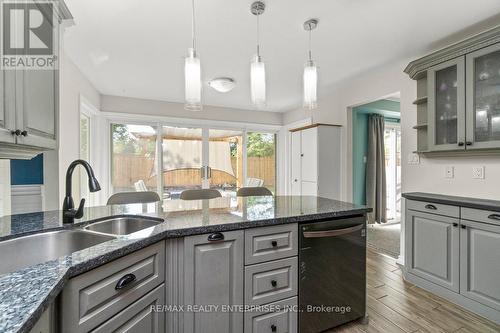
x=478 y=172
x=449 y=172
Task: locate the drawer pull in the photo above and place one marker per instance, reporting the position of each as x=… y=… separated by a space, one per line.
x=215 y=237
x=431 y=207
x=274 y=283
x=463 y=226
x=455 y=225
x=494 y=217
x=275 y=243
x=125 y=281
x=273 y=328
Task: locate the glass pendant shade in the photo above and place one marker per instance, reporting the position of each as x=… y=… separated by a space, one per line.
x=258 y=82
x=310 y=86
x=192 y=76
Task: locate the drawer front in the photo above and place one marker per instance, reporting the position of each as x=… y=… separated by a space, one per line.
x=278 y=318
x=94 y=297
x=271 y=281
x=433 y=208
x=486 y=216
x=270 y=243
x=139 y=317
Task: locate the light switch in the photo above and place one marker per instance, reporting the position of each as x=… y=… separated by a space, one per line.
x=449 y=172
x=478 y=172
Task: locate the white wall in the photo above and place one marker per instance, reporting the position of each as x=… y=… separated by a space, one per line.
x=73 y=85
x=169 y=109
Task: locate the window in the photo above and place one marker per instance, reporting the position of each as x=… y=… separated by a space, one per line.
x=133 y=158
x=392 y=143
x=261 y=160
x=84 y=153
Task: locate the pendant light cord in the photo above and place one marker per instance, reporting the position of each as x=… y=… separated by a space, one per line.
x=310 y=52
x=193 y=25
x=258 y=37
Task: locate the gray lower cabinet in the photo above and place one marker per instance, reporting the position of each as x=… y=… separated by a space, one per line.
x=92 y=298
x=140 y=317
x=213 y=276
x=480 y=262
x=280 y=317
x=270 y=243
x=433 y=248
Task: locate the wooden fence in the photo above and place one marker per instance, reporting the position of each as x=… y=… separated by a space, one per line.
x=128 y=169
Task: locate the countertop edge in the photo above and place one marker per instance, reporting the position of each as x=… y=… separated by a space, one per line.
x=486 y=204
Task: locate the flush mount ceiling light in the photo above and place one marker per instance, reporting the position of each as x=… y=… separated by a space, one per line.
x=192 y=73
x=257 y=67
x=310 y=72
x=222 y=84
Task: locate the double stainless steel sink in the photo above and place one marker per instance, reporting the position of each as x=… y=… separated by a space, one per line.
x=29 y=250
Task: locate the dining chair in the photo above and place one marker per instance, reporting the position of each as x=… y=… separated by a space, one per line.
x=200 y=194
x=122 y=198
x=253 y=192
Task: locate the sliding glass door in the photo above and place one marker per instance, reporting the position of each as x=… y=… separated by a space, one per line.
x=392 y=143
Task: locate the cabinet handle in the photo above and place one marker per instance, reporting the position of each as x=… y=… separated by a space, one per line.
x=16 y=132
x=125 y=281
x=274 y=243
x=24 y=133
x=460 y=144
x=431 y=207
x=494 y=217
x=295 y=180
x=215 y=237
x=301 y=155
x=468 y=143
x=274 y=283
x=463 y=226
x=273 y=328
x=455 y=225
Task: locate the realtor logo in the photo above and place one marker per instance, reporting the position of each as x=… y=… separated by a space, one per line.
x=27 y=35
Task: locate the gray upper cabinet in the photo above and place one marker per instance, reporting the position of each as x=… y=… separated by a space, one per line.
x=446 y=105
x=480 y=263
x=433 y=246
x=7 y=106
x=213 y=275
x=483 y=102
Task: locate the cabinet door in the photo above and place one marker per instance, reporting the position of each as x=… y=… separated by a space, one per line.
x=483 y=98
x=309 y=188
x=446 y=108
x=309 y=153
x=295 y=163
x=433 y=248
x=213 y=276
x=7 y=106
x=36 y=105
x=480 y=262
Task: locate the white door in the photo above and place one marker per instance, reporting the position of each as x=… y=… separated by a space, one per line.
x=309 y=154
x=295 y=163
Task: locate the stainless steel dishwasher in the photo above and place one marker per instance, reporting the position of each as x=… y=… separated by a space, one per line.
x=332 y=275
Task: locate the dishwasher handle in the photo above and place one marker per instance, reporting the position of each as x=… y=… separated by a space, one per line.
x=332 y=233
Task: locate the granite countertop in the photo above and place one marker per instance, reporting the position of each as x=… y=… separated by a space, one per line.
x=26 y=293
x=486 y=204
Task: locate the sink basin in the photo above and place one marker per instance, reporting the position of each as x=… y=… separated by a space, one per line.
x=122 y=225
x=34 y=249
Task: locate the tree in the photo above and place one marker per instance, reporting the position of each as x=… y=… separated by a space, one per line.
x=260 y=145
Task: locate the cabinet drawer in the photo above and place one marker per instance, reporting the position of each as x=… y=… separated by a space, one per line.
x=433 y=208
x=270 y=243
x=278 y=318
x=486 y=216
x=271 y=281
x=92 y=298
x=139 y=317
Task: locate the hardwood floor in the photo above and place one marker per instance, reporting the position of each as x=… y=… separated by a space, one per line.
x=397 y=306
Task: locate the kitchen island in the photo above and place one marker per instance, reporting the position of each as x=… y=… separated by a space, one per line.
x=27 y=292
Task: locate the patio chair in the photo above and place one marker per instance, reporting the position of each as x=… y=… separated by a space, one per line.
x=254 y=182
x=253 y=192
x=140 y=186
x=200 y=194
x=122 y=198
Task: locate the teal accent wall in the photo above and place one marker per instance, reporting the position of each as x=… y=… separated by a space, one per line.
x=391 y=111
x=27 y=172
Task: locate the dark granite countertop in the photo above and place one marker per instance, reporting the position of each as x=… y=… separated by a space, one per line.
x=26 y=293
x=486 y=204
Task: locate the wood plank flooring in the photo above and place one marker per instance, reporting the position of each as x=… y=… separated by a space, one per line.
x=396 y=306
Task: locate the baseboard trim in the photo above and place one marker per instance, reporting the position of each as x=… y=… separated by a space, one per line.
x=468 y=304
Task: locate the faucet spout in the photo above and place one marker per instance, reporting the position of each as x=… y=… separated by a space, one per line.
x=69 y=212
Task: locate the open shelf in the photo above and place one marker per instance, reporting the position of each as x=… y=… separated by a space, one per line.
x=421 y=100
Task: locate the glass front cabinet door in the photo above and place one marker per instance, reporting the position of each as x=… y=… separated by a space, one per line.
x=483 y=98
x=446 y=105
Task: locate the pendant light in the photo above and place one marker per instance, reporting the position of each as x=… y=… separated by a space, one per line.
x=192 y=73
x=310 y=72
x=257 y=67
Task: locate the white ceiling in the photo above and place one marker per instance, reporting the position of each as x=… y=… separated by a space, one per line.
x=135 y=48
